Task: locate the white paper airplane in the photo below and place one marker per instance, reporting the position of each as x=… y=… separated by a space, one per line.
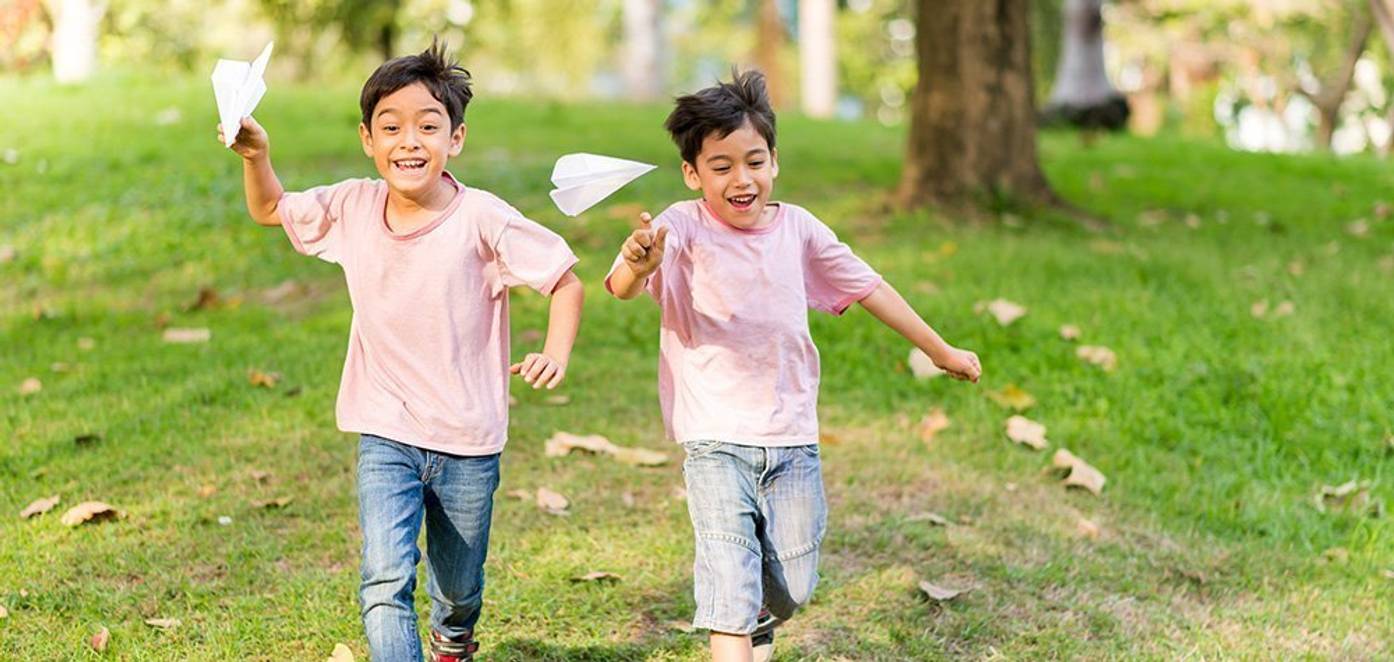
x=582 y=180
x=238 y=87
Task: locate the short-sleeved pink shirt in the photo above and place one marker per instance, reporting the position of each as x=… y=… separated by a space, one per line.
x=736 y=361
x=428 y=351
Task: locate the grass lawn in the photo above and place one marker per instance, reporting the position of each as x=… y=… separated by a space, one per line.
x=1216 y=430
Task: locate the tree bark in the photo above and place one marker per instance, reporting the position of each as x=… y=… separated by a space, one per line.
x=643 y=44
x=817 y=57
x=1083 y=95
x=1332 y=94
x=769 y=40
x=972 y=116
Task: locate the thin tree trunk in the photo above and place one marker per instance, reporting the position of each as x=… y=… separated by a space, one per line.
x=769 y=41
x=817 y=57
x=643 y=45
x=1332 y=94
x=972 y=116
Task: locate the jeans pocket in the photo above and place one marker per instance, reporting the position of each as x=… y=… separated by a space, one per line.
x=697 y=449
x=811 y=450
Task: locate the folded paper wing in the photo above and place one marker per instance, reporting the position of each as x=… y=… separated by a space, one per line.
x=238 y=87
x=582 y=180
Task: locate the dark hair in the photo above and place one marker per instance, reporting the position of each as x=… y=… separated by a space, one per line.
x=721 y=109
x=448 y=82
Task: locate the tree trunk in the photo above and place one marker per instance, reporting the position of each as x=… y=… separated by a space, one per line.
x=972 y=116
x=1083 y=95
x=74 y=48
x=769 y=41
x=1332 y=94
x=643 y=44
x=817 y=57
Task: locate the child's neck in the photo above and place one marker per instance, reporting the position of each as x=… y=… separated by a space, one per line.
x=406 y=213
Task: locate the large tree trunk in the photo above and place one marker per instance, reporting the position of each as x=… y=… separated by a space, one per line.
x=817 y=57
x=769 y=41
x=643 y=44
x=972 y=116
x=74 y=48
x=1083 y=95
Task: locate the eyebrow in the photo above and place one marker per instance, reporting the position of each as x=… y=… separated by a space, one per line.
x=384 y=111
x=757 y=151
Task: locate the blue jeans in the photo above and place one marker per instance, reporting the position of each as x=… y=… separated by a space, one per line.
x=397 y=485
x=759 y=516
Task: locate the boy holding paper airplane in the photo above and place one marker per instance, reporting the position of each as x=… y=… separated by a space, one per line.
x=735 y=275
x=429 y=263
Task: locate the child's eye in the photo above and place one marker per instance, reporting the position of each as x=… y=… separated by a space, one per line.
x=756 y=164
x=720 y=170
x=390 y=128
x=428 y=127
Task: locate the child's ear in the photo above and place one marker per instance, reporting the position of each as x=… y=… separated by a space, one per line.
x=774 y=163
x=366 y=137
x=457 y=139
x=689 y=176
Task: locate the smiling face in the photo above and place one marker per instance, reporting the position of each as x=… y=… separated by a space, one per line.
x=410 y=141
x=735 y=174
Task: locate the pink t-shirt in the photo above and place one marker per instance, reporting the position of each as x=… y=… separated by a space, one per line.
x=736 y=361
x=428 y=353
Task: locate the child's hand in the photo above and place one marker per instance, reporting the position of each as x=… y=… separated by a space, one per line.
x=643 y=250
x=960 y=364
x=252 y=141
x=540 y=369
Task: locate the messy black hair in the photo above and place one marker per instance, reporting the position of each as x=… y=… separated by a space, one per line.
x=448 y=82
x=721 y=109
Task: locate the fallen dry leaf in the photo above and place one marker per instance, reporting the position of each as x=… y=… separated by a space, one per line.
x=921 y=366
x=59 y=366
x=285 y=290
x=1069 y=332
x=187 y=336
x=1087 y=528
x=39 y=507
x=939 y=593
x=7 y=253
x=1259 y=308
x=163 y=623
x=1350 y=497
x=88 y=511
x=258 y=475
x=1192 y=221
x=1003 y=310
x=1012 y=397
x=1284 y=308
x=207 y=299
x=1098 y=355
x=4 y=613
x=99 y=640
x=263 y=379
x=552 y=502
x=1387 y=573
x=933 y=518
x=521 y=494
x=1386 y=264
x=1027 y=432
x=207 y=491
x=640 y=457
x=276 y=502
x=341 y=653
x=30 y=386
x=627 y=499
x=597 y=577
x=1078 y=472
x=86 y=344
x=1297 y=267
x=557 y=400
x=1358 y=228
x=562 y=443
x=933 y=423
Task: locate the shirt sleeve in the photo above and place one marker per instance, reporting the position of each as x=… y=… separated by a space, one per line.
x=834 y=277
x=313 y=219
x=528 y=254
x=654 y=283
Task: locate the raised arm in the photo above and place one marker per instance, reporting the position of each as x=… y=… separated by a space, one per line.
x=563 y=319
x=643 y=253
x=892 y=309
x=258 y=178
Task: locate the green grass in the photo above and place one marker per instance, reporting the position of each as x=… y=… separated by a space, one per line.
x=1215 y=431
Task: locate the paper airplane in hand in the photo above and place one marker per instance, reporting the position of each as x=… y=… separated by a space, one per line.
x=238 y=87
x=582 y=180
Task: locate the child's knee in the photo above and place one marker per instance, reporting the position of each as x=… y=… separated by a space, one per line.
x=791 y=584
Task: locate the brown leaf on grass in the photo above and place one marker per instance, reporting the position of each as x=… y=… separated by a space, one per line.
x=99 y=640
x=207 y=491
x=562 y=443
x=1098 y=355
x=640 y=457
x=59 y=367
x=920 y=365
x=272 y=503
x=86 y=344
x=1358 y=228
x=1386 y=264
x=1259 y=309
x=1297 y=268
x=1192 y=221
x=259 y=475
x=1012 y=397
x=1351 y=497
x=551 y=502
x=1152 y=218
x=933 y=423
x=163 y=623
x=207 y=299
x=627 y=499
x=263 y=379
x=1069 y=332
x=521 y=494
x=89 y=511
x=30 y=386
x=1004 y=311
x=39 y=507
x=598 y=577
x=1087 y=529
x=1284 y=309
x=1078 y=473
x=1387 y=573
x=285 y=290
x=7 y=253
x=938 y=593
x=4 y=613
x=558 y=400
x=512 y=400
x=187 y=336
x=1027 y=432
x=933 y=518
x=341 y=653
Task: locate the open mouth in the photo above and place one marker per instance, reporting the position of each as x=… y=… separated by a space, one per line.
x=410 y=165
x=741 y=202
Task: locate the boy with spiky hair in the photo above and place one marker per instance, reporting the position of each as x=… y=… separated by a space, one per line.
x=428 y=263
x=735 y=275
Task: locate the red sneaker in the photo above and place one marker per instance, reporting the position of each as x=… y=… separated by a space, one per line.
x=459 y=649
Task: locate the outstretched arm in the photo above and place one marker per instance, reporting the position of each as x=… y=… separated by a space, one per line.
x=563 y=320
x=892 y=309
x=263 y=188
x=643 y=253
